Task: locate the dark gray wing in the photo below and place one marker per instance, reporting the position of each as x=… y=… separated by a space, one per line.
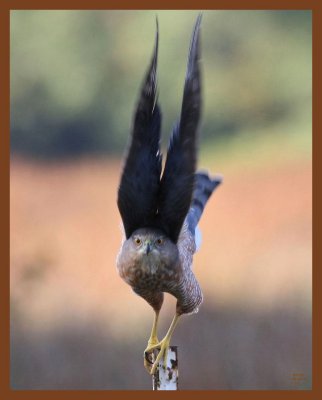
x=139 y=186
x=177 y=182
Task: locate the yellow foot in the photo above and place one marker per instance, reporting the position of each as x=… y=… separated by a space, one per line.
x=148 y=354
x=163 y=353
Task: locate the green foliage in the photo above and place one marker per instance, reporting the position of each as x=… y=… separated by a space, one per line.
x=75 y=75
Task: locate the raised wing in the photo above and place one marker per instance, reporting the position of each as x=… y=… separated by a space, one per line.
x=140 y=180
x=177 y=182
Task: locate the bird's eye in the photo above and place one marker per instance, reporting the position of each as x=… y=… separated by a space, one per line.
x=137 y=241
x=160 y=241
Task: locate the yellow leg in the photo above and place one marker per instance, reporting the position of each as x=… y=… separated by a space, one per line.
x=152 y=341
x=164 y=346
x=153 y=337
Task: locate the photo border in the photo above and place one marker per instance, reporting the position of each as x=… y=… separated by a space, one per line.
x=5 y=391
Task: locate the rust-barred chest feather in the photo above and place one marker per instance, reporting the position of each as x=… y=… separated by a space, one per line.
x=149 y=260
x=151 y=275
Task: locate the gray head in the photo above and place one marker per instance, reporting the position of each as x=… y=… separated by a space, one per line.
x=153 y=244
x=149 y=246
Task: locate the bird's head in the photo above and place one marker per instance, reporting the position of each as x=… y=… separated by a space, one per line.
x=152 y=244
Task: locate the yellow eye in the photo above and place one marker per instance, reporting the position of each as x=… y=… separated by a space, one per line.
x=137 y=241
x=160 y=241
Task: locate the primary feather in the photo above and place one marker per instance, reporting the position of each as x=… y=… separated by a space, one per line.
x=179 y=174
x=140 y=180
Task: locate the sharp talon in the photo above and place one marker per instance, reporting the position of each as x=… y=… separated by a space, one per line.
x=163 y=352
x=147 y=357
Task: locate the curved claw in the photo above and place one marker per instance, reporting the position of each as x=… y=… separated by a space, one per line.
x=164 y=347
x=147 y=364
x=147 y=358
x=148 y=353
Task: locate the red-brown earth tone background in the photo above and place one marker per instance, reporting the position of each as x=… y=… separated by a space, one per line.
x=253 y=330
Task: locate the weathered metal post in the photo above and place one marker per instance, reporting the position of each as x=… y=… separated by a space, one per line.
x=167 y=378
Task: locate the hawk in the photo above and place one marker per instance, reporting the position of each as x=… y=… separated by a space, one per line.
x=160 y=210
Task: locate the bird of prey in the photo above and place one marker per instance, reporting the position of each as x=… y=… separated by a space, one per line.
x=160 y=211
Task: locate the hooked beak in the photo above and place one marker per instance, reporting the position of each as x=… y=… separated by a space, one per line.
x=148 y=248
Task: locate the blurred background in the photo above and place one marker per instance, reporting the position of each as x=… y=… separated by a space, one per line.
x=75 y=77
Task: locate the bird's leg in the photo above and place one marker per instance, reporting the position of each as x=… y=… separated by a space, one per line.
x=153 y=337
x=164 y=346
x=151 y=342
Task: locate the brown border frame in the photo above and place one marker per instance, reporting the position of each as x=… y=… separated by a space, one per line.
x=6 y=392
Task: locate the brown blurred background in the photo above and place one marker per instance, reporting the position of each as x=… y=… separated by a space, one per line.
x=74 y=81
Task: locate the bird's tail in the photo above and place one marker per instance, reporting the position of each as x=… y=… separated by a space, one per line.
x=204 y=186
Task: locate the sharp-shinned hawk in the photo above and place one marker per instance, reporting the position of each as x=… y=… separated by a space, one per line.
x=160 y=211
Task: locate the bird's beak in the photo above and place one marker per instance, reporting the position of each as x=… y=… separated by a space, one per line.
x=148 y=248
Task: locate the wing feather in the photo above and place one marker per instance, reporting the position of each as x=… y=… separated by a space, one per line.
x=177 y=181
x=140 y=180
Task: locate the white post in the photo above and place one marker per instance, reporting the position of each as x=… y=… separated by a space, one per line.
x=167 y=378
